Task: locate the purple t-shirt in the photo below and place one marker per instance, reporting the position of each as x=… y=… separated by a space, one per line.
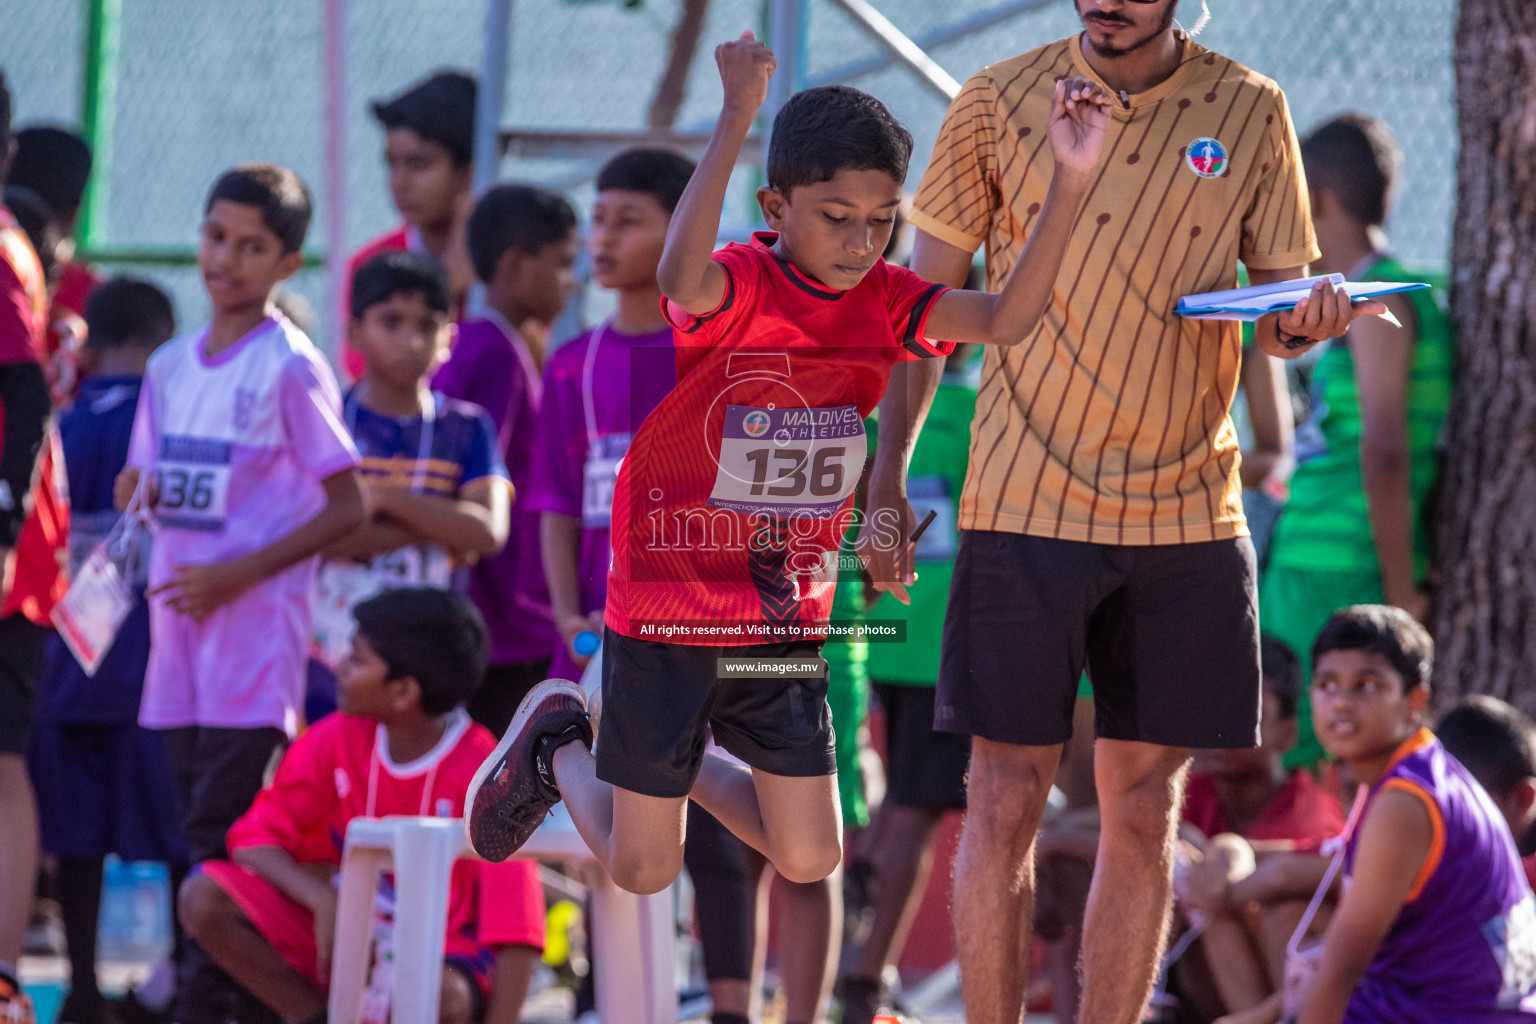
x=239 y=442
x=491 y=367
x=1463 y=948
x=598 y=388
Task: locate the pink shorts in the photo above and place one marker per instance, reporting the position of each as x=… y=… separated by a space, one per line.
x=290 y=927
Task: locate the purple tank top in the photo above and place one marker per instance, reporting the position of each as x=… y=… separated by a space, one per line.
x=1463 y=948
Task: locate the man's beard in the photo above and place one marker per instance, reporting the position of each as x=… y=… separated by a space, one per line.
x=1107 y=50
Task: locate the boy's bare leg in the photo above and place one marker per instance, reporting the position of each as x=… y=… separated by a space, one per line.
x=223 y=931
x=796 y=822
x=638 y=838
x=1277 y=923
x=994 y=875
x=902 y=862
x=813 y=917
x=18 y=855
x=1140 y=789
x=1238 y=970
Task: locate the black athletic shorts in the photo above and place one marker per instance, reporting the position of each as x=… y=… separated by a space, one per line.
x=1169 y=635
x=659 y=699
x=923 y=768
x=494 y=702
x=22 y=644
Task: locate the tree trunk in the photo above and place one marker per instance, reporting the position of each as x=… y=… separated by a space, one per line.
x=673 y=85
x=1486 y=618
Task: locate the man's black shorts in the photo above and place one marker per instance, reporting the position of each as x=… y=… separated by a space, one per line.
x=923 y=768
x=22 y=645
x=1169 y=634
x=659 y=699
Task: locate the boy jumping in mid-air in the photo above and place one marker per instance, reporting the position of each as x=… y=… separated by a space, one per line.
x=784 y=346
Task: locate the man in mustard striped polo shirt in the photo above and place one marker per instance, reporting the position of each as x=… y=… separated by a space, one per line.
x=1101 y=520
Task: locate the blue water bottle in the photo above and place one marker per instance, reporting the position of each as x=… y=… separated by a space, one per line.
x=586 y=643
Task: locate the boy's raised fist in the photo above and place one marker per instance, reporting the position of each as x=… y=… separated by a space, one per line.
x=745 y=67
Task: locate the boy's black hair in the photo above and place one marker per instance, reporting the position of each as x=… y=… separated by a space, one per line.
x=1492 y=740
x=35 y=218
x=435 y=636
x=127 y=311
x=521 y=217
x=391 y=273
x=656 y=172
x=54 y=163
x=1357 y=159
x=276 y=191
x=830 y=128
x=440 y=107
x=1384 y=630
x=1282 y=673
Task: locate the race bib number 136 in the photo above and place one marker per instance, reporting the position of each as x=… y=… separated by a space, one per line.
x=789 y=462
x=193 y=477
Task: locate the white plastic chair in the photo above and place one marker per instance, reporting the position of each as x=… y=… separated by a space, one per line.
x=421 y=852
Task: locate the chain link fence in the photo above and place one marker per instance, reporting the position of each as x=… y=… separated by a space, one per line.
x=203 y=84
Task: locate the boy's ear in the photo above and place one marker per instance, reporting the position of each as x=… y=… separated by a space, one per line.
x=772 y=202
x=1321 y=201
x=354 y=331
x=509 y=266
x=405 y=693
x=289 y=265
x=1418 y=700
x=1524 y=795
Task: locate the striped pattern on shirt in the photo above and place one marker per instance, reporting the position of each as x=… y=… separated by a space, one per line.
x=1109 y=423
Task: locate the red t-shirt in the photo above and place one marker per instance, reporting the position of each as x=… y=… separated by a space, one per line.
x=39 y=580
x=75 y=283
x=1301 y=812
x=402 y=239
x=43 y=544
x=736 y=490
x=23 y=296
x=340 y=769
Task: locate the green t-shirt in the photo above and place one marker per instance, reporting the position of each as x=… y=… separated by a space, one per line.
x=934 y=481
x=1325 y=523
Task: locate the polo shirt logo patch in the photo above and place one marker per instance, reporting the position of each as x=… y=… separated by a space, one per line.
x=1206 y=157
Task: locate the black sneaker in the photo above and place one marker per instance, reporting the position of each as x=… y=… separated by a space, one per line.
x=515 y=787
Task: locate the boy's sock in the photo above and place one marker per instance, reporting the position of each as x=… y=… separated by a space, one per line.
x=581 y=732
x=80 y=902
x=861 y=999
x=721 y=1017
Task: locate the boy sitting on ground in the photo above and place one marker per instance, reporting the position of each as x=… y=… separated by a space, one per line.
x=784 y=346
x=402 y=744
x=1437 y=922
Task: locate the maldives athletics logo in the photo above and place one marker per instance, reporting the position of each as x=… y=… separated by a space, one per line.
x=1206 y=157
x=755 y=423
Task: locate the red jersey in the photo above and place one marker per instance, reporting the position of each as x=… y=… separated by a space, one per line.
x=66 y=320
x=39 y=580
x=402 y=239
x=1302 y=812
x=736 y=490
x=23 y=295
x=42 y=546
x=340 y=769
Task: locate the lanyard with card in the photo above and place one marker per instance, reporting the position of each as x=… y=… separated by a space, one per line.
x=341 y=586
x=605 y=452
x=102 y=593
